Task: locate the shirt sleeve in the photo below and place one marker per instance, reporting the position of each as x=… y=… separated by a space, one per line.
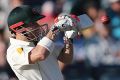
x=20 y=56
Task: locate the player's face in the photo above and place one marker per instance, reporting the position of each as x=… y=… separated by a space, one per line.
x=35 y=32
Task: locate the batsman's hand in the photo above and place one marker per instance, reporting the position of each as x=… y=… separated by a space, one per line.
x=65 y=23
x=71 y=34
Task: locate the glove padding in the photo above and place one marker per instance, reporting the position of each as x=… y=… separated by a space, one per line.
x=70 y=34
x=64 y=23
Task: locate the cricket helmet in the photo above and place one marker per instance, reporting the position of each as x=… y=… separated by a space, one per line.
x=21 y=19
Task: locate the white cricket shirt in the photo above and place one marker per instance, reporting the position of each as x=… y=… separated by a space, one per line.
x=17 y=57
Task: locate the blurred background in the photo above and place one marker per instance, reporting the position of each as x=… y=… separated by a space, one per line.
x=96 y=51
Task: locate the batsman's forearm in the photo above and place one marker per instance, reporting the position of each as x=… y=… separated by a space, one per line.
x=51 y=35
x=66 y=55
x=44 y=47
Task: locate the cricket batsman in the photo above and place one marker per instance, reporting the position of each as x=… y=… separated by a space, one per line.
x=33 y=53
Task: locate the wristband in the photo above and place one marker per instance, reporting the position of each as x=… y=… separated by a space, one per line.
x=47 y=43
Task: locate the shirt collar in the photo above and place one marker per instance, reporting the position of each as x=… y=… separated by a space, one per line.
x=19 y=42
